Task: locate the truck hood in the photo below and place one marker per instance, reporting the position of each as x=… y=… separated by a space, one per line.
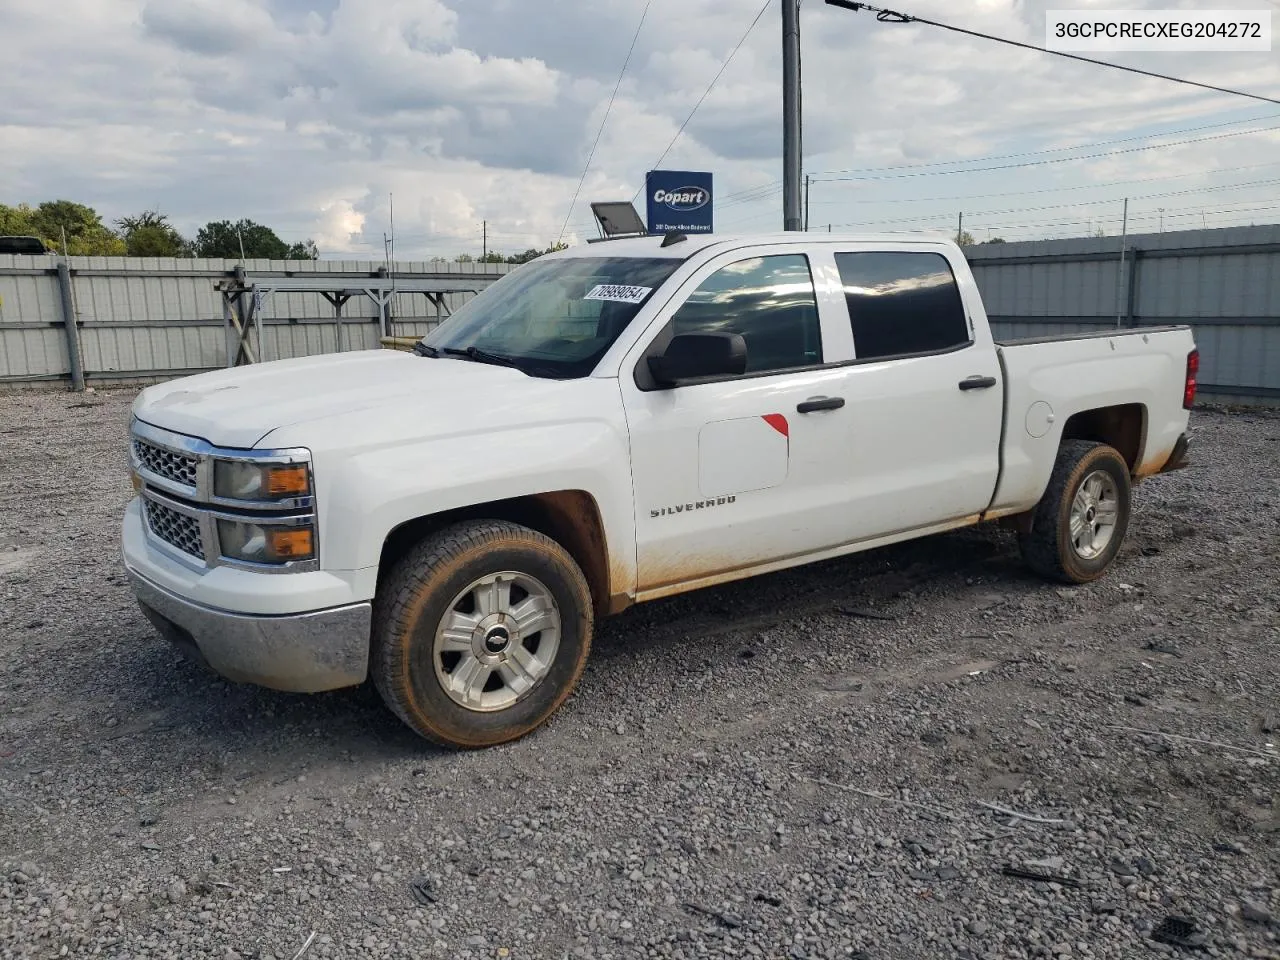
x=238 y=407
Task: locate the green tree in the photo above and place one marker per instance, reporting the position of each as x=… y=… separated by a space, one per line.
x=222 y=239
x=964 y=238
x=464 y=258
x=147 y=218
x=994 y=240
x=149 y=234
x=306 y=250
x=16 y=221
x=86 y=234
x=492 y=257
x=533 y=254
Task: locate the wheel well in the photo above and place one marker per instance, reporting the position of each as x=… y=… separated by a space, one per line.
x=1123 y=427
x=569 y=517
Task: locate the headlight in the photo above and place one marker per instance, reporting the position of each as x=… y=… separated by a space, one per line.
x=266 y=542
x=245 y=480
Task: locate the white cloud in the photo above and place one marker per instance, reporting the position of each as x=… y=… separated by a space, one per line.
x=307 y=114
x=339 y=222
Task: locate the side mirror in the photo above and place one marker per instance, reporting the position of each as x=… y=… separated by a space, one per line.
x=692 y=355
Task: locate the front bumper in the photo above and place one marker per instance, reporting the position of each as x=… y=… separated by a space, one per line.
x=303 y=632
x=303 y=653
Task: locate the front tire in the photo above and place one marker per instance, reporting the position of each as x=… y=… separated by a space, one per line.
x=1078 y=525
x=480 y=633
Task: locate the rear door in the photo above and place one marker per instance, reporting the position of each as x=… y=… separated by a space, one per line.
x=736 y=472
x=924 y=392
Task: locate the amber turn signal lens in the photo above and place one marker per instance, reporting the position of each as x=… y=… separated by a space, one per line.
x=288 y=481
x=291 y=542
x=136 y=481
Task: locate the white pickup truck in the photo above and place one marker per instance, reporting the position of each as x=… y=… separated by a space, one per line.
x=612 y=424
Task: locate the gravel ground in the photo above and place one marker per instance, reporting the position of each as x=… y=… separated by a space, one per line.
x=796 y=766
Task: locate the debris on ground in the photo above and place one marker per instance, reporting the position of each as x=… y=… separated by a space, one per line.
x=865 y=738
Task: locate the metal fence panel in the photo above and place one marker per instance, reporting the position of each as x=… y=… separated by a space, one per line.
x=153 y=317
x=1225 y=284
x=158 y=317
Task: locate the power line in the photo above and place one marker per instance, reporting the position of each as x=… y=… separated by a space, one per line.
x=1079 y=146
x=966 y=198
x=733 y=53
x=1095 y=202
x=755 y=193
x=893 y=16
x=1168 y=215
x=1060 y=189
x=760 y=193
x=605 y=119
x=1040 y=163
x=1078 y=203
x=947 y=223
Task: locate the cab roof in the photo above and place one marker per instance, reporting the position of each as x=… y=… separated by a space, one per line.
x=652 y=246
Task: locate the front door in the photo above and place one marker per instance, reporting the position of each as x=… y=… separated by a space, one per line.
x=736 y=472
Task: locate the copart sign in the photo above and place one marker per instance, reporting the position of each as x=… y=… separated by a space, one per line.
x=679 y=200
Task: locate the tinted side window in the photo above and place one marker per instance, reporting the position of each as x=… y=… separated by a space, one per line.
x=769 y=301
x=902 y=303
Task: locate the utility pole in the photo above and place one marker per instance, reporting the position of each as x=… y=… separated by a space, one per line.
x=791 y=122
x=960 y=227
x=807 y=180
x=484 y=224
x=1124 y=240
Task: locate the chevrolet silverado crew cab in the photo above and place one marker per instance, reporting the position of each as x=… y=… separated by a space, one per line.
x=612 y=424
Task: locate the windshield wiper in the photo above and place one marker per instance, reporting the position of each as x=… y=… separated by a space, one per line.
x=481 y=356
x=484 y=356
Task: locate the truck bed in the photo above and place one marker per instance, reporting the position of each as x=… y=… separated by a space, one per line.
x=1087 y=335
x=1137 y=373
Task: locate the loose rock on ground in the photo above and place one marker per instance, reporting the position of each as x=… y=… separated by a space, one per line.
x=760 y=769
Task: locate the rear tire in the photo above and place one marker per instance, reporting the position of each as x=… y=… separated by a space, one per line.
x=480 y=633
x=1078 y=525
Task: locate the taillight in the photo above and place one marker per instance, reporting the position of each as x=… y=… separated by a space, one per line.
x=1193 y=370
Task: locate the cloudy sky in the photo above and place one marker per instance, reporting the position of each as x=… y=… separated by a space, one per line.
x=308 y=115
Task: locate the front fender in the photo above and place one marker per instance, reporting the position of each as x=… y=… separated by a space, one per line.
x=367 y=495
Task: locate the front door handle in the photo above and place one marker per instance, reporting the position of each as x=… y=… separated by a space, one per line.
x=820 y=403
x=977 y=383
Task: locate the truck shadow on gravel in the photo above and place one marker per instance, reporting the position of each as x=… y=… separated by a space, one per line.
x=230 y=725
x=225 y=726
x=872 y=584
x=232 y=730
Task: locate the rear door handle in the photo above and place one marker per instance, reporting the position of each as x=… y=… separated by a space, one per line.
x=820 y=403
x=977 y=383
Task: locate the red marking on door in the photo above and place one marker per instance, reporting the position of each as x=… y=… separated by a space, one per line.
x=778 y=422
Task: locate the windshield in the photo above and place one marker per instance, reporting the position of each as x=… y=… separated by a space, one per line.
x=554 y=318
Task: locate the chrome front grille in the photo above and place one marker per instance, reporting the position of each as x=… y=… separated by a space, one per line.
x=174 y=528
x=172 y=466
x=181 y=511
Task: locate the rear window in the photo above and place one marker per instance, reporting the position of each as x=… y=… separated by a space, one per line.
x=902 y=303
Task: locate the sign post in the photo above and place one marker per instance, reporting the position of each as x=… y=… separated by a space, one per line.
x=679 y=200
